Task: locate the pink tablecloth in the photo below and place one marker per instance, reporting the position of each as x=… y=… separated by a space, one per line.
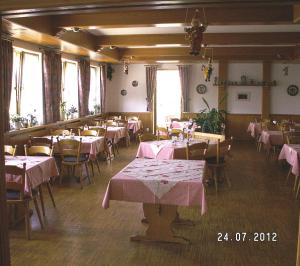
x=38 y=169
x=291 y=153
x=166 y=150
x=179 y=124
x=116 y=133
x=270 y=138
x=89 y=145
x=134 y=125
x=150 y=174
x=254 y=129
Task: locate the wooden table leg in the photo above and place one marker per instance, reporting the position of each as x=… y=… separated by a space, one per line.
x=160 y=218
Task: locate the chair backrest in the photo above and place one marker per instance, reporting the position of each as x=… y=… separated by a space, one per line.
x=40 y=141
x=12 y=184
x=176 y=132
x=147 y=137
x=110 y=123
x=89 y=132
x=69 y=148
x=196 y=151
x=10 y=150
x=74 y=130
x=38 y=150
x=122 y=123
x=223 y=148
x=208 y=136
x=293 y=137
x=162 y=133
x=60 y=132
x=175 y=119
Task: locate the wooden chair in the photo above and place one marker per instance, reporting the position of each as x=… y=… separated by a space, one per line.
x=208 y=136
x=176 y=132
x=71 y=157
x=162 y=133
x=10 y=150
x=40 y=141
x=74 y=130
x=217 y=164
x=196 y=151
x=60 y=132
x=15 y=195
x=41 y=151
x=124 y=123
x=91 y=133
x=293 y=137
x=147 y=137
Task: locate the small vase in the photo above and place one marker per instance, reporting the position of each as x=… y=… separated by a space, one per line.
x=18 y=125
x=72 y=116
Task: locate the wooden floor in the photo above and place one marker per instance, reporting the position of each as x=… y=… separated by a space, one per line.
x=80 y=232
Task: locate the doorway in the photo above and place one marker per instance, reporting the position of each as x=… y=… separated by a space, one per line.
x=168 y=96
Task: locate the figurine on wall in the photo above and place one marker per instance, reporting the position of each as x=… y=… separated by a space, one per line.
x=207 y=70
x=125 y=68
x=285 y=71
x=110 y=70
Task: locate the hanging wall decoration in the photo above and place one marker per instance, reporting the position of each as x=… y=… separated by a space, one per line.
x=292 y=90
x=125 y=67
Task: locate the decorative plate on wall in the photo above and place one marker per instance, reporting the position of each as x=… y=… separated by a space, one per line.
x=201 y=89
x=292 y=90
x=123 y=92
x=135 y=83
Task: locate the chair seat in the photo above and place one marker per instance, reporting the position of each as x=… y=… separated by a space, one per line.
x=73 y=159
x=15 y=195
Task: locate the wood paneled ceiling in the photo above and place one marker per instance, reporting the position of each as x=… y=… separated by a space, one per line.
x=148 y=31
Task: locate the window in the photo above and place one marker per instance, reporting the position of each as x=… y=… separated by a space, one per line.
x=168 y=96
x=94 y=98
x=70 y=85
x=27 y=92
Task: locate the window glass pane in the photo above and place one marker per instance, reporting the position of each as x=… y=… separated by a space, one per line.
x=32 y=93
x=70 y=85
x=94 y=98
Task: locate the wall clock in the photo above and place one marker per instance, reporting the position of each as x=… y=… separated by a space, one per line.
x=123 y=92
x=292 y=90
x=201 y=89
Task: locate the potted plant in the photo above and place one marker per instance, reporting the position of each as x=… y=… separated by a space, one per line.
x=32 y=120
x=211 y=120
x=97 y=108
x=63 y=110
x=71 y=111
x=17 y=120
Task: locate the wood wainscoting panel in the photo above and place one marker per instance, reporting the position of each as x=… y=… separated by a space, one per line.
x=237 y=124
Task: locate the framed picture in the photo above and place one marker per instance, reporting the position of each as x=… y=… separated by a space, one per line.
x=243 y=96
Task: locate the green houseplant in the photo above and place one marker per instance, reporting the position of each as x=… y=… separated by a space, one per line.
x=211 y=120
x=17 y=120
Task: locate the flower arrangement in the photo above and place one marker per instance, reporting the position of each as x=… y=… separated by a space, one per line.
x=97 y=108
x=32 y=120
x=72 y=109
x=16 y=118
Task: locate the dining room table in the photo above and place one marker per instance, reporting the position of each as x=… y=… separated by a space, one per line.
x=171 y=149
x=291 y=153
x=254 y=128
x=134 y=125
x=39 y=169
x=161 y=186
x=89 y=144
x=271 y=138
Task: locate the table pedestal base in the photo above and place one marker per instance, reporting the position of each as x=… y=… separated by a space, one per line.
x=160 y=219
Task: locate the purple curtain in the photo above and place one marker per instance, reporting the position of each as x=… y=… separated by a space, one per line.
x=184 y=74
x=84 y=75
x=103 y=87
x=151 y=85
x=6 y=73
x=52 y=74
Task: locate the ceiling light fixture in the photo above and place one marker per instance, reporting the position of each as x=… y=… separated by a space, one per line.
x=194 y=34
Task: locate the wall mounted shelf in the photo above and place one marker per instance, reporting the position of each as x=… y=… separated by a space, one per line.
x=243 y=82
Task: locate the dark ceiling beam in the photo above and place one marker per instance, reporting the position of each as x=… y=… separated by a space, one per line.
x=214 y=16
x=275 y=53
x=31 y=8
x=264 y=38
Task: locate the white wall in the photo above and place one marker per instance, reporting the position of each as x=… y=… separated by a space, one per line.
x=135 y=100
x=251 y=71
x=281 y=102
x=195 y=99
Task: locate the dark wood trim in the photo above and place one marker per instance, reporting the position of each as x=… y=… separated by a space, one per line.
x=4 y=241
